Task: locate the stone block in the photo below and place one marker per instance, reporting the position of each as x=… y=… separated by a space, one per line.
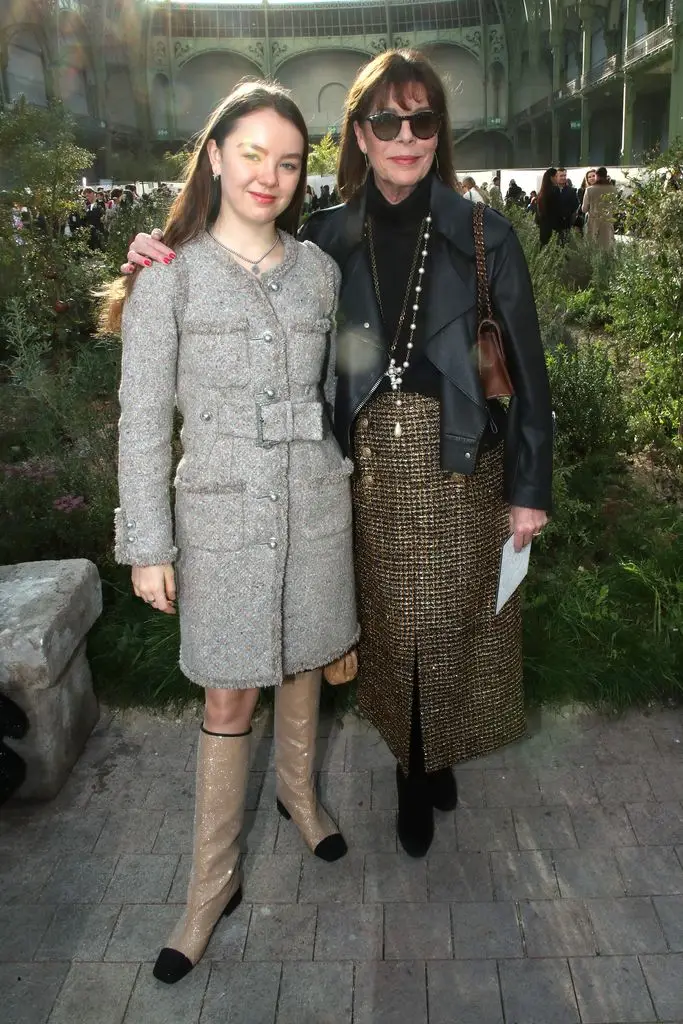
x=466 y=991
x=538 y=991
x=46 y=610
x=417 y=931
x=611 y=988
x=316 y=992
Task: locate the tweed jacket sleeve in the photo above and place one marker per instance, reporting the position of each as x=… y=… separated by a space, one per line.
x=150 y=328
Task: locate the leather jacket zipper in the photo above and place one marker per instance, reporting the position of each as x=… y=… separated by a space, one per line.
x=364 y=402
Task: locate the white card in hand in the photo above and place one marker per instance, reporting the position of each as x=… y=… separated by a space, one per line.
x=514 y=565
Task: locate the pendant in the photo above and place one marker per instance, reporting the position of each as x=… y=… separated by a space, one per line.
x=397 y=429
x=255 y=270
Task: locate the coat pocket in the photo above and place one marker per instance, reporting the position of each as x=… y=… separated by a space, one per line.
x=210 y=520
x=325 y=505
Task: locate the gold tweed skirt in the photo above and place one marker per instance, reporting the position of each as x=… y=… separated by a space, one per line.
x=427 y=556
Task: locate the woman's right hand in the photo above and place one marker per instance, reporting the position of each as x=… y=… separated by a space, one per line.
x=146 y=249
x=155 y=584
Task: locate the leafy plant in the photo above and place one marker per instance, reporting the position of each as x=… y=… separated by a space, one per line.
x=323 y=156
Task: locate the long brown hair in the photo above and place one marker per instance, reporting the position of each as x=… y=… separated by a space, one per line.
x=198 y=204
x=545 y=191
x=397 y=71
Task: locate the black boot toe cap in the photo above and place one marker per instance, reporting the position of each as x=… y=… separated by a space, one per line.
x=171 y=966
x=331 y=848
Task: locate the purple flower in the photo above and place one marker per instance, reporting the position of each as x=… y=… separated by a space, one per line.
x=69 y=502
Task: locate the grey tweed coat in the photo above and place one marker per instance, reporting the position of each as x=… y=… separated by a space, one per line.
x=263 y=506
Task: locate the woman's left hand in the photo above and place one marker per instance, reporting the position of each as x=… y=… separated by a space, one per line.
x=525 y=524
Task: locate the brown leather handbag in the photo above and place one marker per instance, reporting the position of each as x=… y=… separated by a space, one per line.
x=495 y=378
x=343 y=670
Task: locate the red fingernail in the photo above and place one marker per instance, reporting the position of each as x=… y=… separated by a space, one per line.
x=167 y=261
x=148 y=263
x=171 y=255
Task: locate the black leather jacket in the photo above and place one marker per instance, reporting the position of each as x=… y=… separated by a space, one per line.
x=450 y=324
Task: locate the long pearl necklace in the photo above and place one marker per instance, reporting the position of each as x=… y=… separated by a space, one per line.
x=396 y=371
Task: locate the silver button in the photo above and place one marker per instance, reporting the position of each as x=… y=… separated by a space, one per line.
x=130 y=525
x=272 y=543
x=131 y=538
x=268 y=336
x=366 y=326
x=206 y=416
x=468 y=455
x=273 y=496
x=274 y=287
x=269 y=393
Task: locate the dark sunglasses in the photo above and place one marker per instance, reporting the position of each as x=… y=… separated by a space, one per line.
x=386 y=125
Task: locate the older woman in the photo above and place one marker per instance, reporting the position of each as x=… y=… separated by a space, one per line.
x=442 y=477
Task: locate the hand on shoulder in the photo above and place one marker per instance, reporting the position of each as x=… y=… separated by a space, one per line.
x=147 y=249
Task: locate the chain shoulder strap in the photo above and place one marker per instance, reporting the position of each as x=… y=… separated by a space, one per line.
x=483 y=294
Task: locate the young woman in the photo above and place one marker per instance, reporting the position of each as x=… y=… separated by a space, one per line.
x=589 y=179
x=236 y=331
x=597 y=210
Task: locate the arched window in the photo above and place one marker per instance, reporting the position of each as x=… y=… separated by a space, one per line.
x=25 y=71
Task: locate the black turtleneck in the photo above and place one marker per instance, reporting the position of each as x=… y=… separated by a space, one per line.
x=395 y=229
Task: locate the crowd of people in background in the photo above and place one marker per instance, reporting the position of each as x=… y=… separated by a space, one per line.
x=558 y=208
x=328 y=197
x=94 y=210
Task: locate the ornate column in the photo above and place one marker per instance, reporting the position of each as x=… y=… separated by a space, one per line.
x=629 y=96
x=676 y=95
x=629 y=89
x=585 y=130
x=557 y=46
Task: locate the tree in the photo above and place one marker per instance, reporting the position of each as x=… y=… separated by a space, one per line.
x=40 y=163
x=322 y=158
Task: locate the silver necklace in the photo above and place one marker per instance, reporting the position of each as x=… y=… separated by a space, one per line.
x=255 y=269
x=396 y=371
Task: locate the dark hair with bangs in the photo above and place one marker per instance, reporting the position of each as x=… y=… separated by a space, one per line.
x=398 y=72
x=198 y=204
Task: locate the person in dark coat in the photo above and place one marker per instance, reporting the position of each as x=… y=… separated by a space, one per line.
x=442 y=477
x=568 y=204
x=440 y=674
x=548 y=211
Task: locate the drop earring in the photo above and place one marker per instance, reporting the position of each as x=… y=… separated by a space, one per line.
x=216 y=176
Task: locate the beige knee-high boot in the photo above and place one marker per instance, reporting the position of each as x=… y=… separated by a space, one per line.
x=296 y=723
x=215 y=881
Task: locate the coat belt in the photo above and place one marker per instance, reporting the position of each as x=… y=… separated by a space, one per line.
x=278 y=422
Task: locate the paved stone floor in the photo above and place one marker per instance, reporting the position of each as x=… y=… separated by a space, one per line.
x=553 y=894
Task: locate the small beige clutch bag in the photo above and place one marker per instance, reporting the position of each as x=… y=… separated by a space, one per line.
x=343 y=670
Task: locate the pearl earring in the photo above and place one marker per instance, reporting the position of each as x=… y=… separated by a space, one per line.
x=216 y=176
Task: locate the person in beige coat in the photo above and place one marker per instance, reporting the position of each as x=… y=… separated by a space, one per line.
x=237 y=333
x=596 y=206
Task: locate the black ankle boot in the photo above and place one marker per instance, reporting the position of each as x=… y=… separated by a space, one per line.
x=415 y=813
x=443 y=789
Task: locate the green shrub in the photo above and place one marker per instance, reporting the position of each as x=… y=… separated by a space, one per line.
x=588 y=399
x=647 y=307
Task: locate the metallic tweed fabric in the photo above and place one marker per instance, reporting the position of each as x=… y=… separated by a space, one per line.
x=427 y=550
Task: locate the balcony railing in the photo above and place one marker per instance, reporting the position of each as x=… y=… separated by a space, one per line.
x=648 y=45
x=569 y=89
x=602 y=71
x=539 y=107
